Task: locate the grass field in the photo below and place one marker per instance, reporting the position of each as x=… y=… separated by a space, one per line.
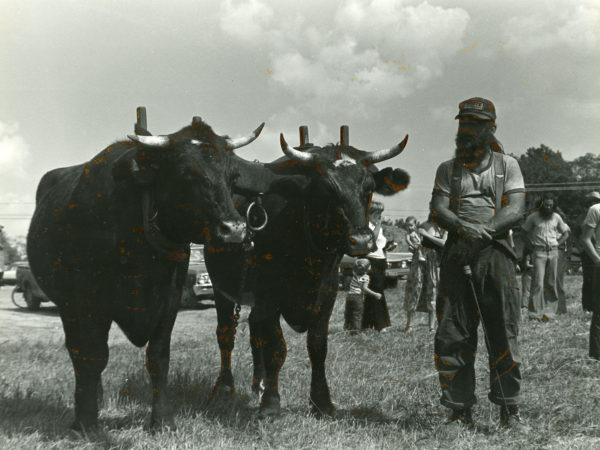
x=384 y=386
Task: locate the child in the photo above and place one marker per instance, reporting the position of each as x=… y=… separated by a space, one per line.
x=355 y=296
x=413 y=239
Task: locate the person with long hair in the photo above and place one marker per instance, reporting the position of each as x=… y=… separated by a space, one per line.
x=478 y=196
x=375 y=312
x=546 y=232
x=422 y=283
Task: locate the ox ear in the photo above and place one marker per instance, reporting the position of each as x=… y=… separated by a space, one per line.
x=127 y=169
x=389 y=181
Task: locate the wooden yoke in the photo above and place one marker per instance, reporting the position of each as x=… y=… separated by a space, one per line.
x=344 y=135
x=141 y=126
x=304 y=142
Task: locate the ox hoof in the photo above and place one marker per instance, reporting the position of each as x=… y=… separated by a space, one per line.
x=221 y=393
x=270 y=406
x=322 y=411
x=163 y=424
x=84 y=426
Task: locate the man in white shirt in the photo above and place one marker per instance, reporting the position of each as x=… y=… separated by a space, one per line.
x=590 y=239
x=546 y=232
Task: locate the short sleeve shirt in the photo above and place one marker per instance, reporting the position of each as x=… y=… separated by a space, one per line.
x=592 y=220
x=544 y=232
x=357 y=282
x=477 y=197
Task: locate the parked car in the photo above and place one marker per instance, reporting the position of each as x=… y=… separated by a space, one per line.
x=9 y=277
x=198 y=286
x=27 y=294
x=398 y=266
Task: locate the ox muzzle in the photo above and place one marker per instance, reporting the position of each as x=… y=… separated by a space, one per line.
x=361 y=243
x=232 y=232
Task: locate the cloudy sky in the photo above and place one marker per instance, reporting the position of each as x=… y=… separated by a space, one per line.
x=72 y=74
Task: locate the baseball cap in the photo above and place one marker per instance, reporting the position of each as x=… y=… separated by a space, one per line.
x=593 y=194
x=478 y=107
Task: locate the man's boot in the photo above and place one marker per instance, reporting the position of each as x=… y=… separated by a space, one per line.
x=462 y=416
x=511 y=418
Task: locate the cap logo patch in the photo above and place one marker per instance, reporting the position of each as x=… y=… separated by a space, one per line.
x=474 y=106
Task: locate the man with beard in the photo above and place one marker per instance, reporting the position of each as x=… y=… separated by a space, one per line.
x=546 y=232
x=478 y=197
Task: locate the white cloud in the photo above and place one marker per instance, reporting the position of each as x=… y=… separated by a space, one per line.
x=245 y=19
x=574 y=28
x=354 y=58
x=14 y=153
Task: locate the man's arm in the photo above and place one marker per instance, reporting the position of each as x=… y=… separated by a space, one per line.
x=510 y=215
x=563 y=237
x=586 y=240
x=440 y=210
x=564 y=229
x=436 y=240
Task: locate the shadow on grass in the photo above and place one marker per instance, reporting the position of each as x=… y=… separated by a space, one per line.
x=43 y=311
x=22 y=412
x=190 y=396
x=406 y=420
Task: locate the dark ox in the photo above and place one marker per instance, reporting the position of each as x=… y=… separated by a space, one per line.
x=109 y=241
x=317 y=210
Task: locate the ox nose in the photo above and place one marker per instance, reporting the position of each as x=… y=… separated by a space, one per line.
x=232 y=231
x=359 y=244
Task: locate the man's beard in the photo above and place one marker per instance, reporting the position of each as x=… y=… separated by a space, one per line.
x=467 y=145
x=546 y=213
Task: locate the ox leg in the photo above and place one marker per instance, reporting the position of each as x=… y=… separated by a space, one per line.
x=87 y=344
x=158 y=354
x=316 y=342
x=274 y=351
x=226 y=328
x=258 y=359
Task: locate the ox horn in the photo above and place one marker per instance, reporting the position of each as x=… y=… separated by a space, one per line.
x=293 y=153
x=151 y=141
x=232 y=144
x=387 y=153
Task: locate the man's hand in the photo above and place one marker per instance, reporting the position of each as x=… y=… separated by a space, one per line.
x=476 y=231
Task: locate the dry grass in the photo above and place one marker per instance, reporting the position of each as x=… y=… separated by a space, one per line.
x=384 y=386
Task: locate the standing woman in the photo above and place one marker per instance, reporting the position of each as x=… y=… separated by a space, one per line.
x=375 y=313
x=422 y=283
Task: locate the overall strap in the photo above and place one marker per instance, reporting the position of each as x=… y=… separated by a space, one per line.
x=499 y=177
x=455 y=187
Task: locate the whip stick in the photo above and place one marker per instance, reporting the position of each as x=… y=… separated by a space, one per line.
x=469 y=274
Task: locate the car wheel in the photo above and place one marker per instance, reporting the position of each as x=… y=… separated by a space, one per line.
x=188 y=298
x=33 y=302
x=18 y=298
